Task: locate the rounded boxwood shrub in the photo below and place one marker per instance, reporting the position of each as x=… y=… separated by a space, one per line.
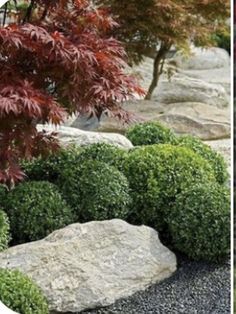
x=199 y=222
x=3 y=193
x=49 y=168
x=110 y=154
x=35 y=209
x=4 y=230
x=156 y=174
x=20 y=294
x=149 y=133
x=96 y=191
x=223 y=41
x=216 y=161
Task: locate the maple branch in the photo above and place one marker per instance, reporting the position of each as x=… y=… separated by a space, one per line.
x=29 y=12
x=45 y=11
x=158 y=68
x=5 y=14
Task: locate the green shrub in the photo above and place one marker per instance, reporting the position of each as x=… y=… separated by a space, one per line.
x=3 y=193
x=149 y=133
x=20 y=294
x=156 y=175
x=35 y=209
x=96 y=191
x=50 y=168
x=199 y=222
x=112 y=155
x=4 y=231
x=215 y=159
x=223 y=41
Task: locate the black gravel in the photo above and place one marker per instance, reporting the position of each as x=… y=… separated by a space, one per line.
x=195 y=288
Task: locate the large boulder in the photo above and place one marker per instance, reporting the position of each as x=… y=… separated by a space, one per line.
x=194 y=118
x=203 y=59
x=85 y=266
x=197 y=119
x=219 y=76
x=68 y=135
x=183 y=88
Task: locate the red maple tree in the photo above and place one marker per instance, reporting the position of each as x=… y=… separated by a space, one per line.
x=57 y=58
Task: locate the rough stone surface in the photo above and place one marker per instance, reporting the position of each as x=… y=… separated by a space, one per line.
x=187 y=89
x=203 y=59
x=184 y=118
x=219 y=76
x=197 y=119
x=68 y=135
x=195 y=288
x=196 y=100
x=85 y=266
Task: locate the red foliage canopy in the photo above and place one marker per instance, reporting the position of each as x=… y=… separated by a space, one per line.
x=58 y=58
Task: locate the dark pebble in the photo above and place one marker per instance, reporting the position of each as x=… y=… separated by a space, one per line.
x=195 y=288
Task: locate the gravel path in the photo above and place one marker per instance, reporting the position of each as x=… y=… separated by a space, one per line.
x=196 y=288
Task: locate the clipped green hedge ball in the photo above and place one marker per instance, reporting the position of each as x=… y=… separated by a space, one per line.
x=216 y=161
x=50 y=168
x=110 y=154
x=4 y=231
x=96 y=191
x=149 y=133
x=35 y=209
x=157 y=174
x=20 y=294
x=199 y=222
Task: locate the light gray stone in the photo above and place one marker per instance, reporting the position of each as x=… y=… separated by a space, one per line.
x=184 y=118
x=187 y=89
x=219 y=76
x=89 y=265
x=203 y=59
x=68 y=135
x=197 y=119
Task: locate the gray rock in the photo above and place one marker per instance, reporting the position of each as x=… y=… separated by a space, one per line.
x=68 y=135
x=219 y=76
x=193 y=118
x=203 y=59
x=197 y=119
x=187 y=89
x=85 y=266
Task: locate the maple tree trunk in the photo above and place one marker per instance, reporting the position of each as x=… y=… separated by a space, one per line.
x=157 y=70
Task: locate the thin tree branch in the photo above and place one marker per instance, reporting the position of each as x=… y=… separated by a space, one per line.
x=29 y=12
x=4 y=14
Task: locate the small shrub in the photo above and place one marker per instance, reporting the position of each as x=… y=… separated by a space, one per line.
x=50 y=168
x=20 y=294
x=216 y=161
x=149 y=133
x=4 y=231
x=199 y=222
x=223 y=41
x=96 y=191
x=3 y=193
x=112 y=155
x=35 y=209
x=156 y=174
